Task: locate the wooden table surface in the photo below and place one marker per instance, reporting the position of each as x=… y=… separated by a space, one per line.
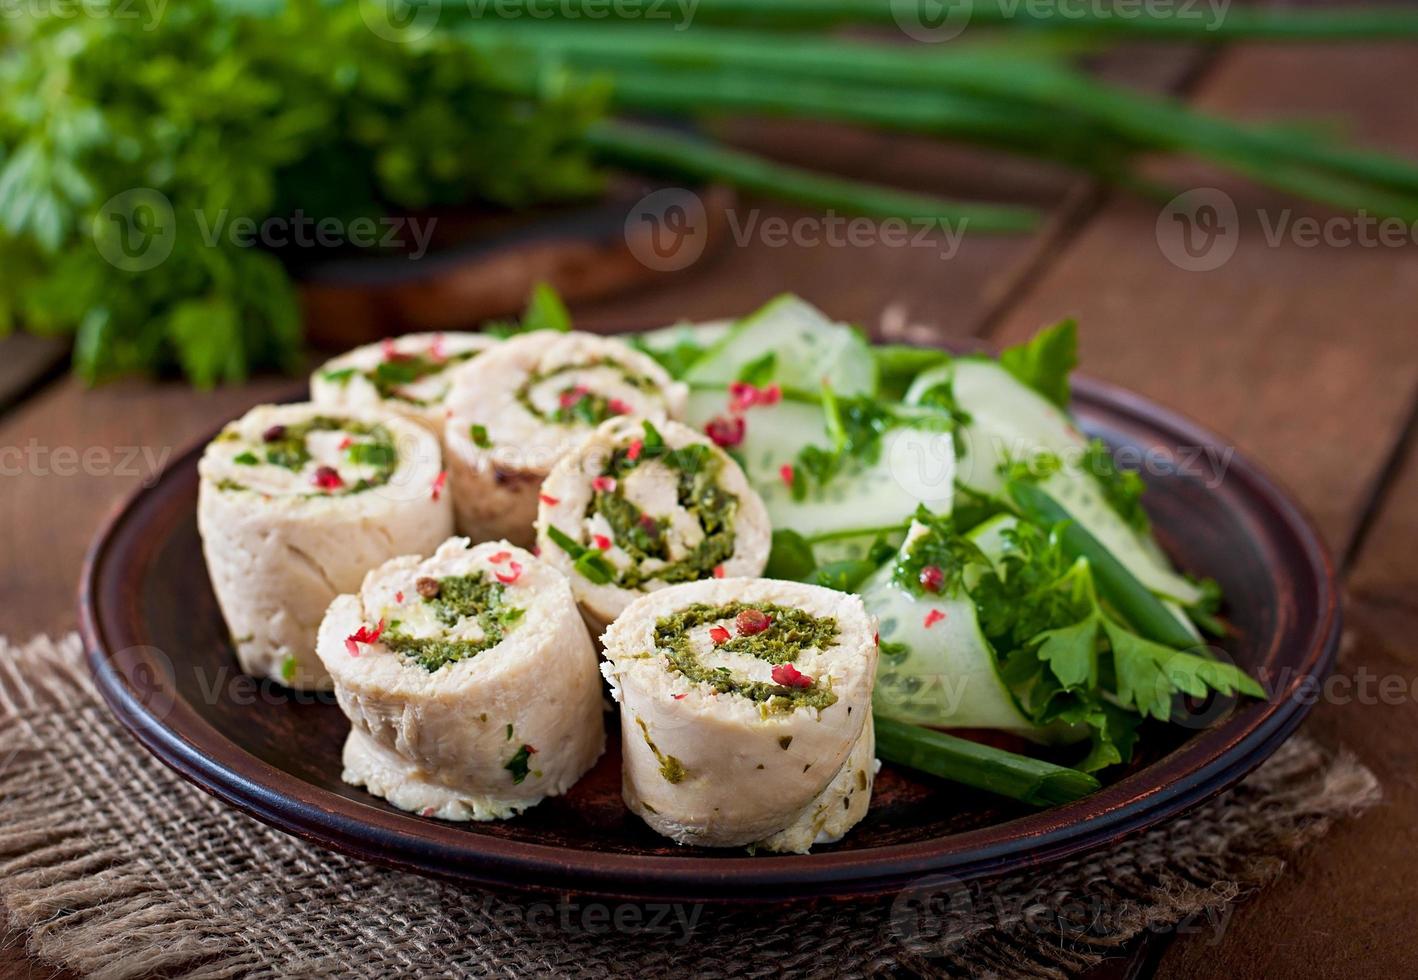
x=1305 y=356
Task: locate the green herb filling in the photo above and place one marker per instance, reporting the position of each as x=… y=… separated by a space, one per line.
x=790 y=633
x=459 y=597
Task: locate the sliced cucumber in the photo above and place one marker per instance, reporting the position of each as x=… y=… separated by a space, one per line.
x=706 y=335
x=948 y=677
x=915 y=466
x=1011 y=421
x=811 y=349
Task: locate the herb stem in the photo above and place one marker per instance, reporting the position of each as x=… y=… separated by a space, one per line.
x=1198 y=24
x=659 y=150
x=1119 y=586
x=1018 y=777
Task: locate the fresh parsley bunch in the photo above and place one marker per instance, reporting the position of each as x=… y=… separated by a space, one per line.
x=126 y=148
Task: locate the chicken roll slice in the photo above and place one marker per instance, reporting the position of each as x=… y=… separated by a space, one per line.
x=407 y=375
x=742 y=700
x=295 y=504
x=469 y=681
x=514 y=411
x=640 y=506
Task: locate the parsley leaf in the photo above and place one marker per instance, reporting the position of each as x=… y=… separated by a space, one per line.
x=546 y=311
x=1044 y=361
x=759 y=371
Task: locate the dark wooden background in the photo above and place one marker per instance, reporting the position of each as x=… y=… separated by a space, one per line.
x=1306 y=357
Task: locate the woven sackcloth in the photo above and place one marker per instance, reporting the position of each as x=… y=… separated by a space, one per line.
x=114 y=867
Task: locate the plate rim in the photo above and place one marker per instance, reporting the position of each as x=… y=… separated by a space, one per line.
x=1209 y=763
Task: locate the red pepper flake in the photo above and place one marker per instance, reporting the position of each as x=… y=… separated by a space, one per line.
x=619 y=407
x=743 y=396
x=603 y=483
x=931 y=578
x=789 y=676
x=718 y=571
x=726 y=432
x=500 y=557
x=933 y=617
x=346 y=442
x=387 y=346
x=678 y=697
x=428 y=811
x=788 y=475
x=438 y=482
x=650 y=525
x=327 y=478
x=274 y=433
x=751 y=622
x=719 y=635
x=568 y=398
x=399 y=596
x=876 y=639
x=548 y=499
x=632 y=452
x=514 y=572
x=602 y=542
x=363 y=635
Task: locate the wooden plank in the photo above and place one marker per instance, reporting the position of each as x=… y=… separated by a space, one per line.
x=27 y=361
x=69 y=455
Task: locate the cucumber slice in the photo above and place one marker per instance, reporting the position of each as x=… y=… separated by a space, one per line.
x=810 y=348
x=947 y=678
x=915 y=466
x=1009 y=420
x=706 y=334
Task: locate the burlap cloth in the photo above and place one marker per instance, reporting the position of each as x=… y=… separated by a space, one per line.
x=113 y=866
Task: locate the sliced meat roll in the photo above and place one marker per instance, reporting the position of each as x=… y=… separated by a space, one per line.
x=745 y=711
x=407 y=375
x=295 y=504
x=639 y=506
x=469 y=680
x=516 y=409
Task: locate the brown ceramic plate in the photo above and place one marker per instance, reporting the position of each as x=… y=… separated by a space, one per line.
x=160 y=654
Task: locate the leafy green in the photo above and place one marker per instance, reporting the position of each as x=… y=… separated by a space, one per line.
x=1069 y=659
x=1122 y=488
x=546 y=311
x=132 y=153
x=677 y=360
x=898 y=364
x=791 y=557
x=759 y=371
x=940 y=547
x=1044 y=361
